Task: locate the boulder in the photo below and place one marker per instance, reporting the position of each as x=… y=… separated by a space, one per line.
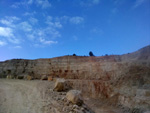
x=44 y=77
x=59 y=85
x=75 y=97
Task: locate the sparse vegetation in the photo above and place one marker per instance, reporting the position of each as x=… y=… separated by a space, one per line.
x=74 y=54
x=91 y=53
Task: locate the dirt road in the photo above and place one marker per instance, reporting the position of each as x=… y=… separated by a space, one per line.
x=20 y=96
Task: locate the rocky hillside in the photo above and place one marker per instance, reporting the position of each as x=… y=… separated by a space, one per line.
x=77 y=67
x=123 y=79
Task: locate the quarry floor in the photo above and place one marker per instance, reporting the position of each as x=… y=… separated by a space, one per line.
x=22 y=96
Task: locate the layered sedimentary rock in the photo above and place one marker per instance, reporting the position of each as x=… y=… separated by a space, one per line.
x=125 y=78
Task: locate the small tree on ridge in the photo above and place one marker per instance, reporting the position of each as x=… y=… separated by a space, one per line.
x=91 y=53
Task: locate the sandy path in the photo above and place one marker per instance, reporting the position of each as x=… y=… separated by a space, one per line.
x=19 y=96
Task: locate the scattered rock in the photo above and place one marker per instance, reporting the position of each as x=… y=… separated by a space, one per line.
x=29 y=77
x=67 y=103
x=75 y=106
x=57 y=98
x=74 y=96
x=60 y=93
x=44 y=77
x=136 y=110
x=82 y=109
x=50 y=78
x=63 y=98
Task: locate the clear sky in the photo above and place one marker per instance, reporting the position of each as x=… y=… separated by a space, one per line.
x=32 y=29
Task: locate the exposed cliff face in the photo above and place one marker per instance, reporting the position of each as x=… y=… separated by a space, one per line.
x=122 y=77
x=68 y=67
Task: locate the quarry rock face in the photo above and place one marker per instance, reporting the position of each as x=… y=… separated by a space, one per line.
x=120 y=79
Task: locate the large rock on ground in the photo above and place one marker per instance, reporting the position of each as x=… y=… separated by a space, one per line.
x=10 y=77
x=44 y=77
x=59 y=85
x=75 y=97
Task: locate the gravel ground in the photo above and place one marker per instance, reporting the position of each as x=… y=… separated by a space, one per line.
x=22 y=96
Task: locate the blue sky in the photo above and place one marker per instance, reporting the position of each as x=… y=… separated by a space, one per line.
x=32 y=29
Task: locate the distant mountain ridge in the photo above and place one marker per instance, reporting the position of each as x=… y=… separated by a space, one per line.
x=141 y=54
